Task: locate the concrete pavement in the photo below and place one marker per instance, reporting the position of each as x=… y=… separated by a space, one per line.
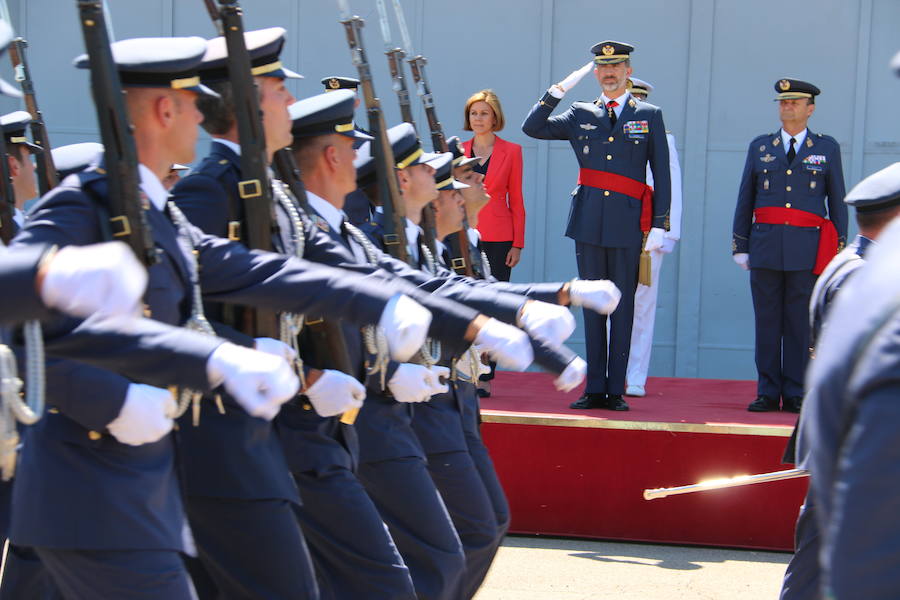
x=541 y=568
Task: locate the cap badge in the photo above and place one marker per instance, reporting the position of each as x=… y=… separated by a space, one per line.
x=607 y=50
x=333 y=83
x=784 y=84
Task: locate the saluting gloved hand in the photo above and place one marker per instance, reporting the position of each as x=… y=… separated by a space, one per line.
x=100 y=278
x=509 y=346
x=572 y=377
x=599 y=295
x=335 y=393
x=260 y=382
x=405 y=324
x=548 y=322
x=655 y=239
x=743 y=260
x=414 y=383
x=146 y=415
x=559 y=90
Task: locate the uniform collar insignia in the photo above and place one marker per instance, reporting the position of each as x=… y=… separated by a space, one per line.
x=632 y=103
x=776 y=141
x=809 y=142
x=322 y=224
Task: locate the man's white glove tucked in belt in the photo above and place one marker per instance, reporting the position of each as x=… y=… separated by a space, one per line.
x=258 y=381
x=509 y=346
x=599 y=295
x=405 y=324
x=335 y=393
x=145 y=416
x=548 y=322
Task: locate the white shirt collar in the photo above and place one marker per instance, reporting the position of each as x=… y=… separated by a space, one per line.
x=153 y=187
x=621 y=101
x=474 y=236
x=412 y=239
x=236 y=148
x=440 y=248
x=19 y=217
x=332 y=215
x=799 y=139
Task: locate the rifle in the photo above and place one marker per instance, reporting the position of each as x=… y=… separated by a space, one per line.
x=388 y=188
x=128 y=221
x=46 y=171
x=327 y=332
x=438 y=141
x=395 y=65
x=255 y=190
x=395 y=58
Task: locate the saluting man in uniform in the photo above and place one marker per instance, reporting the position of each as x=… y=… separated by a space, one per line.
x=614 y=214
x=789 y=222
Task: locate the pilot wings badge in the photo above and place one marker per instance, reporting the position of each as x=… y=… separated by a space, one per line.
x=767 y=158
x=587 y=126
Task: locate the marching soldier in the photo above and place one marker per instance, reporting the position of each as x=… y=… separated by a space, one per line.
x=790 y=220
x=646 y=295
x=91 y=460
x=875 y=209
x=614 y=214
x=847 y=430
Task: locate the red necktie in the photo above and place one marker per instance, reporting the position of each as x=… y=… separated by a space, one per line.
x=609 y=110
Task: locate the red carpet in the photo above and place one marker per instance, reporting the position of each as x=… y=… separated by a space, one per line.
x=582 y=473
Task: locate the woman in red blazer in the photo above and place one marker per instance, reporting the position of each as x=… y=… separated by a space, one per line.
x=502 y=222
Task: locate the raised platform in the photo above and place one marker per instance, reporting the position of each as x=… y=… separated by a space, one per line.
x=583 y=473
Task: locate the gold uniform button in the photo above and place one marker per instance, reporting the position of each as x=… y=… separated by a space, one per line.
x=611 y=138
x=788 y=188
x=788 y=205
x=789 y=172
x=307 y=406
x=53 y=411
x=606 y=193
x=609 y=157
x=94 y=436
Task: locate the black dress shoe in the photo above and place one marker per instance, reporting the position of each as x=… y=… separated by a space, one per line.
x=793 y=404
x=763 y=404
x=615 y=402
x=590 y=400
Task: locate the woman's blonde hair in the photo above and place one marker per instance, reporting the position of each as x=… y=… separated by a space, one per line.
x=493 y=101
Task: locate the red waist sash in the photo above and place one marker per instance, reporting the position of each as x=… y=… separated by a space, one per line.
x=828 y=237
x=622 y=185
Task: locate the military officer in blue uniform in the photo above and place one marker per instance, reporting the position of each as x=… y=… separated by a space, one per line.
x=614 y=215
x=848 y=424
x=874 y=212
x=316 y=443
x=789 y=221
x=82 y=464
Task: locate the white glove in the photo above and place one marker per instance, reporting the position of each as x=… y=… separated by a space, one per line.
x=411 y=383
x=260 y=382
x=655 y=239
x=276 y=348
x=599 y=295
x=438 y=373
x=101 y=278
x=742 y=259
x=509 y=346
x=335 y=393
x=574 y=77
x=146 y=415
x=668 y=245
x=573 y=375
x=548 y=322
x=405 y=323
